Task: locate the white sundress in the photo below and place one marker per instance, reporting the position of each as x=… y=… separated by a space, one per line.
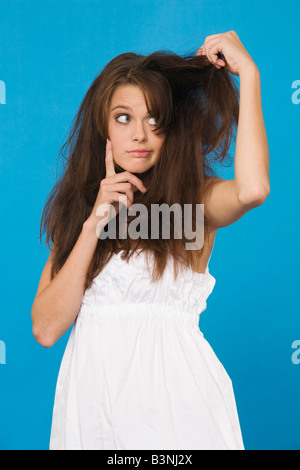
x=137 y=372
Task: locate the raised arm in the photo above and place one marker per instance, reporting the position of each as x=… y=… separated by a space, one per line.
x=228 y=200
x=251 y=164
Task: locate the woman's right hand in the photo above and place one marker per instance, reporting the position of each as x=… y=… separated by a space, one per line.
x=114 y=188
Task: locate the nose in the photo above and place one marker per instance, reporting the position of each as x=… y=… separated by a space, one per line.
x=139 y=132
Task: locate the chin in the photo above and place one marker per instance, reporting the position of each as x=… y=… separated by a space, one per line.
x=134 y=168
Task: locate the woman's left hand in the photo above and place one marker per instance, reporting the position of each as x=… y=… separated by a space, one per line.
x=237 y=58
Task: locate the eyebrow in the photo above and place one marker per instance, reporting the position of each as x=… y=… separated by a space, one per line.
x=122 y=106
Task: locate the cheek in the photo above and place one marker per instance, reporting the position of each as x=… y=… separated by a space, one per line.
x=117 y=136
x=115 y=140
x=159 y=143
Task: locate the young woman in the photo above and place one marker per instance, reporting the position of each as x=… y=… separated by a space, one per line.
x=137 y=372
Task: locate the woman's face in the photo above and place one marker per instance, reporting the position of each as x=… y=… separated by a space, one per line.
x=130 y=127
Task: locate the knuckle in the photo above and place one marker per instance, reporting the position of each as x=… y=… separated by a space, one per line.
x=138 y=181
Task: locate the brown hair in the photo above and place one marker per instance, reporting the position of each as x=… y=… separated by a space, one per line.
x=195 y=106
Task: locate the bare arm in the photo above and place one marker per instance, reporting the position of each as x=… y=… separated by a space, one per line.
x=228 y=200
x=57 y=303
x=251 y=152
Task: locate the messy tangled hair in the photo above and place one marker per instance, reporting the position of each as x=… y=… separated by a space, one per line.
x=195 y=106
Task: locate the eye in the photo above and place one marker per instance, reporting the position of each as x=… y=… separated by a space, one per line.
x=124 y=116
x=121 y=116
x=153 y=124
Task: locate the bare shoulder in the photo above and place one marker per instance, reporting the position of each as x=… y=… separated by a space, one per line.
x=210 y=181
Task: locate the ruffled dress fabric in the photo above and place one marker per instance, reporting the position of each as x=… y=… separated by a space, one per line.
x=137 y=372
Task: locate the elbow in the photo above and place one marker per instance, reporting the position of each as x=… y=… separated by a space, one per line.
x=40 y=333
x=43 y=339
x=255 y=197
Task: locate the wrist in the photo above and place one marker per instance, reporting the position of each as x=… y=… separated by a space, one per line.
x=90 y=225
x=94 y=224
x=249 y=68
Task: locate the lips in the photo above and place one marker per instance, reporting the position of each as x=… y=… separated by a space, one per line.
x=139 y=153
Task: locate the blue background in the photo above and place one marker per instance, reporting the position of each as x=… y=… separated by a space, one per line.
x=50 y=53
